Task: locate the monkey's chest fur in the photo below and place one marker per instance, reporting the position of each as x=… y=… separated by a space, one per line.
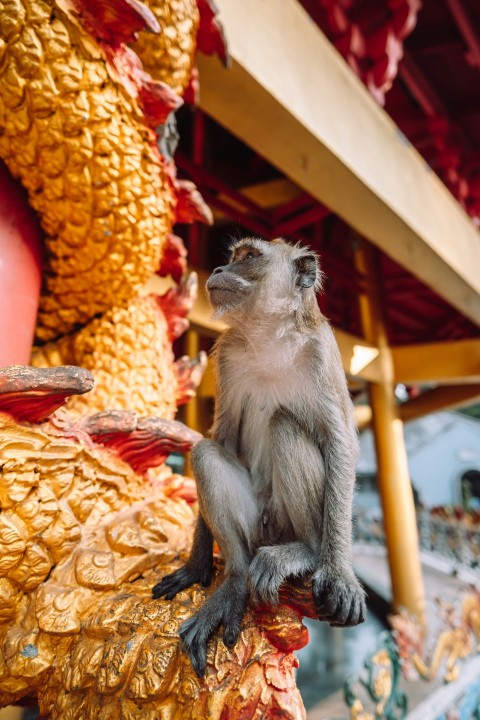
x=262 y=379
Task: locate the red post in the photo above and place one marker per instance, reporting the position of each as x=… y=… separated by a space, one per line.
x=20 y=271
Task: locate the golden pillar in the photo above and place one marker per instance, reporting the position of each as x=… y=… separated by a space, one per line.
x=393 y=474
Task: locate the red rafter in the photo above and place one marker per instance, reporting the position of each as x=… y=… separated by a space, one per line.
x=294 y=205
x=420 y=88
x=465 y=26
x=204 y=178
x=237 y=215
x=312 y=215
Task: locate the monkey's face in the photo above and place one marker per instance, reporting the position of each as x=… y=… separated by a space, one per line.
x=263 y=278
x=231 y=286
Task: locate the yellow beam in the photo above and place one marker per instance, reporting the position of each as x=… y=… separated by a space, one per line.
x=363 y=416
x=291 y=97
x=393 y=474
x=272 y=193
x=359 y=357
x=440 y=398
x=266 y=195
x=445 y=362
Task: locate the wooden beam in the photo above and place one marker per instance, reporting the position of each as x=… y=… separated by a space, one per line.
x=363 y=416
x=359 y=357
x=267 y=195
x=445 y=362
x=272 y=193
x=444 y=397
x=291 y=97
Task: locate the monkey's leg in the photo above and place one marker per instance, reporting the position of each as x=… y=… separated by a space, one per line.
x=198 y=569
x=297 y=486
x=319 y=509
x=230 y=509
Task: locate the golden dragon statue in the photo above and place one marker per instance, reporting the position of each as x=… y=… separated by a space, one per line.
x=91 y=516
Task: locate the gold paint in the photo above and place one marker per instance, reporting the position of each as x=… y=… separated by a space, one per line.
x=79 y=144
x=129 y=354
x=78 y=628
x=458 y=639
x=170 y=56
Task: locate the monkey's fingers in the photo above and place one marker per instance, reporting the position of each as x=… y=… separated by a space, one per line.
x=357 y=614
x=232 y=631
x=195 y=634
x=174 y=583
x=339 y=600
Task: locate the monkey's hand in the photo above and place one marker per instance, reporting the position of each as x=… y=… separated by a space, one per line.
x=339 y=597
x=225 y=607
x=181 y=579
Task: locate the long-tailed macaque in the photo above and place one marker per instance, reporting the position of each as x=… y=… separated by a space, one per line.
x=275 y=481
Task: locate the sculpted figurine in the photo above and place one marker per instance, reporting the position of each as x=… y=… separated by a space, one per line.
x=275 y=482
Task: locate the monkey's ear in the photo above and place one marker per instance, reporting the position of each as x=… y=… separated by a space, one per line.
x=307 y=271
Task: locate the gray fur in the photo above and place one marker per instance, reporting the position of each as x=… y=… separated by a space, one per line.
x=275 y=482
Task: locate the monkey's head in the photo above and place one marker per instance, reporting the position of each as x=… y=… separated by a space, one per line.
x=265 y=279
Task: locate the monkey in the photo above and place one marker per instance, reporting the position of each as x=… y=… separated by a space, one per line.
x=276 y=477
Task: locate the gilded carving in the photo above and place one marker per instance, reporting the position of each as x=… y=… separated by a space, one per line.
x=170 y=56
x=75 y=135
x=78 y=627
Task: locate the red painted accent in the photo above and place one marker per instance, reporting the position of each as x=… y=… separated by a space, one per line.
x=178 y=486
x=157 y=99
x=191 y=207
x=174 y=258
x=189 y=372
x=282 y=627
x=141 y=442
x=20 y=271
x=192 y=92
x=211 y=38
x=116 y=21
x=176 y=303
x=33 y=394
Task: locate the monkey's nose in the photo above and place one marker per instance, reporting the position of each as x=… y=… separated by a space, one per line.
x=217 y=270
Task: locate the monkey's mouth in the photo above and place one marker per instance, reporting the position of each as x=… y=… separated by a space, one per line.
x=220 y=288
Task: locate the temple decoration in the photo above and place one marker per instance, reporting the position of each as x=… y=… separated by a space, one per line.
x=20 y=270
x=405 y=651
x=91 y=516
x=83 y=539
x=141 y=442
x=371 y=43
x=129 y=352
x=192 y=24
x=170 y=56
x=75 y=134
x=32 y=395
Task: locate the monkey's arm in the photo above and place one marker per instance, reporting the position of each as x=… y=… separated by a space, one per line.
x=199 y=566
x=198 y=569
x=337 y=592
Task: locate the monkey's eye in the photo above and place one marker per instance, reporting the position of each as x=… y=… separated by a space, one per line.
x=249 y=256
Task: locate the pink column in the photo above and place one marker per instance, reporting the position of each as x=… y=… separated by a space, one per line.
x=20 y=271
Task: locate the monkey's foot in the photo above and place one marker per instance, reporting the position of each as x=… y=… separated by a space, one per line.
x=273 y=564
x=225 y=607
x=181 y=579
x=339 y=598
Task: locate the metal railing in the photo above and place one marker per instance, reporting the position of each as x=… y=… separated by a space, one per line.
x=451 y=535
